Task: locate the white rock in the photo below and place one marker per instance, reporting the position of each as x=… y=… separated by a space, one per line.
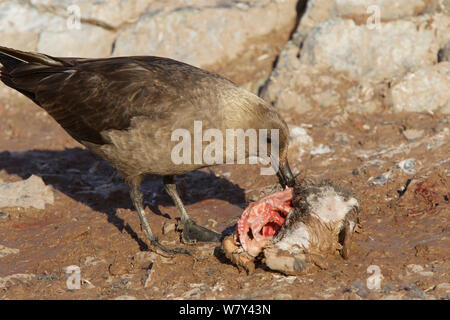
x=27 y=27
x=424 y=90
x=415 y=268
x=407 y=166
x=321 y=10
x=365 y=54
x=300 y=139
x=321 y=149
x=203 y=33
x=4 y=251
x=112 y=13
x=413 y=134
x=26 y=193
x=125 y=297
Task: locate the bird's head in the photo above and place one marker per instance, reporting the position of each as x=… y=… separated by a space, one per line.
x=247 y=111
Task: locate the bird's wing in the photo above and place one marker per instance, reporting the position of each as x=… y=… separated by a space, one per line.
x=88 y=96
x=98 y=96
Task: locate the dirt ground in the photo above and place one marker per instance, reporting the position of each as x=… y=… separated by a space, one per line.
x=92 y=225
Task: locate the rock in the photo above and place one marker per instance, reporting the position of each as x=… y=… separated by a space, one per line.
x=40 y=29
x=426 y=273
x=415 y=268
x=394 y=296
x=205 y=32
x=417 y=293
x=147 y=278
x=321 y=10
x=125 y=297
x=423 y=90
x=387 y=288
x=444 y=287
x=356 y=286
x=413 y=134
x=407 y=166
x=31 y=192
x=111 y=14
x=146 y=257
x=321 y=149
x=283 y=296
x=93 y=261
x=339 y=63
x=300 y=139
x=410 y=286
x=168 y=227
x=4 y=251
x=381 y=179
x=362 y=292
x=373 y=55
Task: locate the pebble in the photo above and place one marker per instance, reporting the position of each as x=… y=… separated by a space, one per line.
x=413 y=134
x=417 y=293
x=381 y=179
x=426 y=273
x=394 y=296
x=194 y=293
x=125 y=297
x=362 y=292
x=321 y=149
x=410 y=286
x=32 y=192
x=443 y=286
x=4 y=251
x=357 y=285
x=147 y=278
x=407 y=166
x=168 y=227
x=414 y=268
x=144 y=257
x=92 y=261
x=387 y=288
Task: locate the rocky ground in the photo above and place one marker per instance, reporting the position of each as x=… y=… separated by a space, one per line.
x=368 y=107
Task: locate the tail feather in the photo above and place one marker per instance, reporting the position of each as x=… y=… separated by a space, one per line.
x=6 y=54
x=23 y=70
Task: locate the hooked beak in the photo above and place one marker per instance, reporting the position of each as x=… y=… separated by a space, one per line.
x=285 y=175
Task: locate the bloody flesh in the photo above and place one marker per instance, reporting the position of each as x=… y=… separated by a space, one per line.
x=262 y=220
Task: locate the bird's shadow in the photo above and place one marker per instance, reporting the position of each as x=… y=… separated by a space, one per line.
x=90 y=180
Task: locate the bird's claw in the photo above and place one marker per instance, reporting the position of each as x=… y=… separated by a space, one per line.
x=155 y=243
x=193 y=233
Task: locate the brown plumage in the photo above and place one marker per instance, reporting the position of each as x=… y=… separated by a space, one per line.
x=125 y=109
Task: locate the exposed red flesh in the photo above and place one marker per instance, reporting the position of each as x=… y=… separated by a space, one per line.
x=262 y=220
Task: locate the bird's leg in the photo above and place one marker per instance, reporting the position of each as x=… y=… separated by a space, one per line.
x=137 y=197
x=192 y=232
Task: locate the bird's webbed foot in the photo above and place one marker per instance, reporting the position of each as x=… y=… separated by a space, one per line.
x=193 y=233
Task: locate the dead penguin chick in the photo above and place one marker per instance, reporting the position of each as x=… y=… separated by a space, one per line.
x=321 y=219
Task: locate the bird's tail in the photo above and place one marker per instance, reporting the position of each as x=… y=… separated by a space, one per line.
x=22 y=70
x=12 y=58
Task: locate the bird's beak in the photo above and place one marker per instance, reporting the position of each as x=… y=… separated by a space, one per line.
x=285 y=175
